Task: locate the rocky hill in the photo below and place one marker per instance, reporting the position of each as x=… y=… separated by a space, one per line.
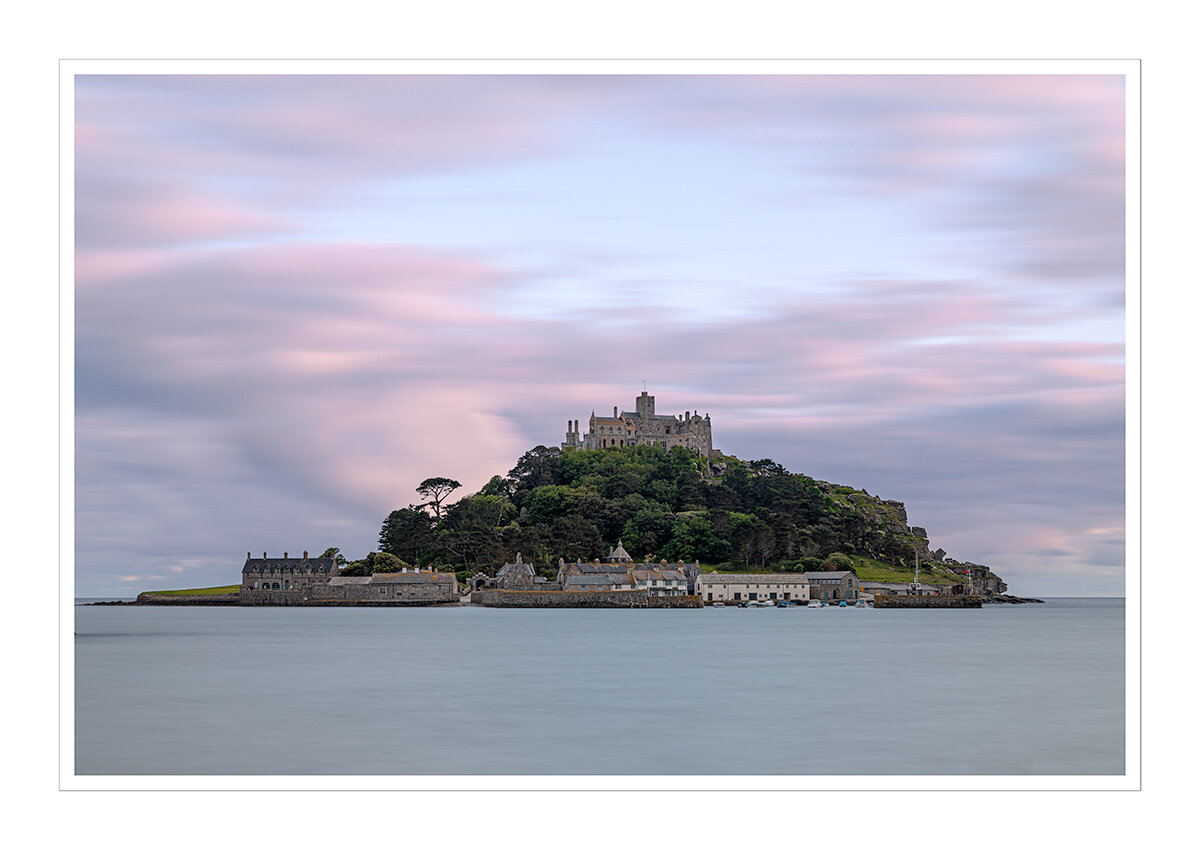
x=722 y=511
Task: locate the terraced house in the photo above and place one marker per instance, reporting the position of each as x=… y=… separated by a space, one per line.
x=749 y=587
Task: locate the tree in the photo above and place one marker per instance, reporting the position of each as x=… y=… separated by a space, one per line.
x=338 y=558
x=407 y=533
x=385 y=562
x=436 y=490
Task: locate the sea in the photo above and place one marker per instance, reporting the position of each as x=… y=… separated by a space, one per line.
x=1035 y=689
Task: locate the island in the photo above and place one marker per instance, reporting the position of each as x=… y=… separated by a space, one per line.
x=639 y=511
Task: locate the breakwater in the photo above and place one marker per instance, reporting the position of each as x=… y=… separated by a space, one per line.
x=580 y=599
x=151 y=598
x=890 y=601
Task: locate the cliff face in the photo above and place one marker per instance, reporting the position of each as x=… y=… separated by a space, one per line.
x=887 y=521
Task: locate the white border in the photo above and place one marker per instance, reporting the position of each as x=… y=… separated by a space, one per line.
x=1131 y=780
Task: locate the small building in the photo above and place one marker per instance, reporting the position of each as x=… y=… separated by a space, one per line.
x=405 y=587
x=833 y=586
x=565 y=570
x=516 y=576
x=598 y=581
x=745 y=587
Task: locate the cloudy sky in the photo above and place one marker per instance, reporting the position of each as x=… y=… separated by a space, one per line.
x=298 y=296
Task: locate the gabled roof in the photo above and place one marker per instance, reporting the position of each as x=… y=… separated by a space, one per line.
x=257 y=565
x=409 y=578
x=644 y=575
x=515 y=570
x=833 y=574
x=619 y=553
x=753 y=578
x=604 y=580
x=592 y=569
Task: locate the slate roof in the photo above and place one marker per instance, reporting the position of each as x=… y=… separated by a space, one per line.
x=592 y=569
x=600 y=580
x=754 y=578
x=674 y=575
x=515 y=569
x=341 y=580
x=319 y=565
x=835 y=575
x=409 y=578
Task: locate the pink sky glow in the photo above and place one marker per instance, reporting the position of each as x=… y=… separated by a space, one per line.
x=297 y=297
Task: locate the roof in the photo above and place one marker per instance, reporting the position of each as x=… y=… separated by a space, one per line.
x=515 y=569
x=591 y=569
x=409 y=578
x=654 y=574
x=606 y=580
x=619 y=553
x=753 y=578
x=834 y=575
x=257 y=565
x=337 y=581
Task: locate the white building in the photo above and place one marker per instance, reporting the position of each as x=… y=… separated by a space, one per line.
x=743 y=587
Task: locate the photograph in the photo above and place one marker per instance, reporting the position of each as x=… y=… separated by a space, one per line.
x=449 y=420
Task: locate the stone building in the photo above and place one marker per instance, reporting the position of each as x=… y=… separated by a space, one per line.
x=643 y=427
x=408 y=587
x=286 y=574
x=516 y=576
x=659 y=581
x=833 y=586
x=747 y=587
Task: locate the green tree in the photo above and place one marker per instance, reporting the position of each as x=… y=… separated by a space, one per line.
x=339 y=559
x=436 y=490
x=407 y=533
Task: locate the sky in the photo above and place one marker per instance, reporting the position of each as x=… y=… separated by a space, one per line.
x=296 y=297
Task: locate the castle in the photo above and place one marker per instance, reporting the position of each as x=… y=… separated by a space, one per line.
x=643 y=427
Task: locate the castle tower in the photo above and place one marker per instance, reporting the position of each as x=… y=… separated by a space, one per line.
x=572 y=441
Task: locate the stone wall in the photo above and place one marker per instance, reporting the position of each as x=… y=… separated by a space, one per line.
x=249 y=596
x=414 y=593
x=889 y=601
x=580 y=599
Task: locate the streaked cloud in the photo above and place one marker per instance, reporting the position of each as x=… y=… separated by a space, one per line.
x=251 y=374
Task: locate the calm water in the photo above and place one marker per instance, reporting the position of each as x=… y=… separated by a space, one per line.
x=1032 y=689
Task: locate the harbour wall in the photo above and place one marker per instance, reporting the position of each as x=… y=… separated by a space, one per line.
x=580 y=599
x=890 y=601
x=151 y=598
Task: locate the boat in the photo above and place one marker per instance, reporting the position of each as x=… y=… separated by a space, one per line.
x=843 y=604
x=862 y=603
x=783 y=603
x=813 y=604
x=718 y=605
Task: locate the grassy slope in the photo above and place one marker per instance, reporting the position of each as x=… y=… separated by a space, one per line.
x=867 y=569
x=198 y=591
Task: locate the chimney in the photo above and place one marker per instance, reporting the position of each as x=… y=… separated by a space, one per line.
x=285 y=554
x=264 y=556
x=306 y=554
x=247 y=556
x=614 y=411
